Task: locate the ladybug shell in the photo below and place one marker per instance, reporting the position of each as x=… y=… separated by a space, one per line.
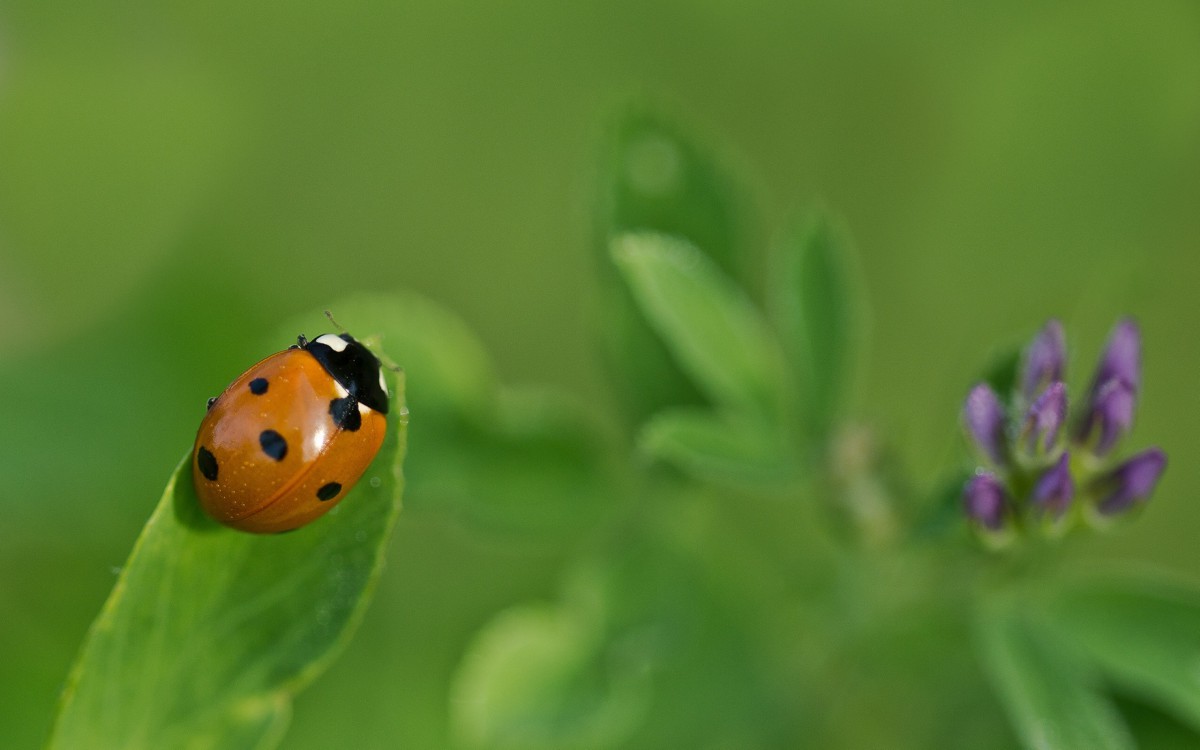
x=282 y=445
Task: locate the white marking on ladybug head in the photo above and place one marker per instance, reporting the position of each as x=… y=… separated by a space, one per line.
x=336 y=343
x=382 y=383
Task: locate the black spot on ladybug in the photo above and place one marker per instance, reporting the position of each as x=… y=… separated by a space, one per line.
x=207 y=463
x=258 y=386
x=345 y=413
x=329 y=491
x=273 y=444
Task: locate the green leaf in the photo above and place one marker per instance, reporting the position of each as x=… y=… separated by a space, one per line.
x=542 y=676
x=941 y=514
x=538 y=471
x=654 y=178
x=644 y=374
x=816 y=303
x=210 y=632
x=1154 y=728
x=711 y=447
x=1051 y=700
x=709 y=324
x=1143 y=631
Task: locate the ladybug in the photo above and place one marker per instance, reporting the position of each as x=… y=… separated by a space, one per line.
x=288 y=439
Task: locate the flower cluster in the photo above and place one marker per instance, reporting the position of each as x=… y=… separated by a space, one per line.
x=1044 y=469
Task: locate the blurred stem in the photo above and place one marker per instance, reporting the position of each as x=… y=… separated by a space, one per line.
x=857 y=494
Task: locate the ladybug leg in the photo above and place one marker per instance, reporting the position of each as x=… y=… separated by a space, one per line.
x=211 y=401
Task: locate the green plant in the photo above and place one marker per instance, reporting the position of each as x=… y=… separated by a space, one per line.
x=741 y=564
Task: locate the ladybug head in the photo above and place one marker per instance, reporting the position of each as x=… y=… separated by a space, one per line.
x=353 y=366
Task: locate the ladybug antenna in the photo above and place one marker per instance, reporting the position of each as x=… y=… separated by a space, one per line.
x=336 y=324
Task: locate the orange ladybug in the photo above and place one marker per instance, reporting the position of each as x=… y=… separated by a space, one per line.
x=288 y=439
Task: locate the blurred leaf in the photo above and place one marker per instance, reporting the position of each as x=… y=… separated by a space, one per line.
x=656 y=179
x=816 y=302
x=538 y=676
x=653 y=178
x=1154 y=728
x=209 y=632
x=641 y=651
x=643 y=372
x=1142 y=631
x=675 y=602
x=942 y=513
x=710 y=447
x=709 y=324
x=538 y=470
x=1052 y=701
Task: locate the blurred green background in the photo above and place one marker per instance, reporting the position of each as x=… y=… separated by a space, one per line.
x=178 y=178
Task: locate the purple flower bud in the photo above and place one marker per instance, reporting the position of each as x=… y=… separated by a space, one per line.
x=1130 y=483
x=1113 y=393
x=1055 y=488
x=1122 y=357
x=1109 y=417
x=985 y=501
x=984 y=417
x=1044 y=359
x=1045 y=418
